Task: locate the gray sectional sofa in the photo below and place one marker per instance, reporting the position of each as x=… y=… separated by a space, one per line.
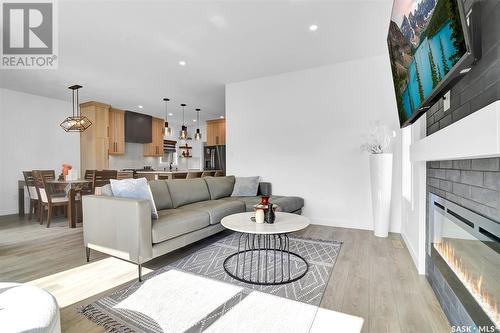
x=188 y=210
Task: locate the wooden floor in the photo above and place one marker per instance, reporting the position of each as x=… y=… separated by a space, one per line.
x=373 y=278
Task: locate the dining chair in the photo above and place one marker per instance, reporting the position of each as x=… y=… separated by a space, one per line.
x=89 y=175
x=83 y=189
x=46 y=174
x=220 y=173
x=179 y=175
x=32 y=193
x=124 y=174
x=102 y=177
x=50 y=195
x=194 y=174
x=207 y=173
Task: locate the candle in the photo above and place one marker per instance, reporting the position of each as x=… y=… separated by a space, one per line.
x=259 y=215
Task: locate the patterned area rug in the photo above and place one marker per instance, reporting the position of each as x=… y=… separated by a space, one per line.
x=205 y=289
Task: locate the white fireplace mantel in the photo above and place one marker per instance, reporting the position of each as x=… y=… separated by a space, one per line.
x=475 y=136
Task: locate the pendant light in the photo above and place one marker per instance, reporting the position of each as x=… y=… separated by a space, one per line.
x=77 y=122
x=197 y=135
x=183 y=135
x=168 y=130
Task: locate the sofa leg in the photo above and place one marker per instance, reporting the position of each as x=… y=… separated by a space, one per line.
x=87 y=252
x=139 y=266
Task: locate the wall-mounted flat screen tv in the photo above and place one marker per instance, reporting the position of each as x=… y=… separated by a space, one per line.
x=428 y=47
x=138 y=127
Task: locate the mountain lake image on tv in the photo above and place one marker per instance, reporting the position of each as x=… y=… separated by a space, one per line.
x=426 y=40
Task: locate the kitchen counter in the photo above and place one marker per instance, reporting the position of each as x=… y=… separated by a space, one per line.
x=166 y=172
x=159 y=174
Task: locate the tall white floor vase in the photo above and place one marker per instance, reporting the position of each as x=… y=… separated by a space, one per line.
x=381 y=183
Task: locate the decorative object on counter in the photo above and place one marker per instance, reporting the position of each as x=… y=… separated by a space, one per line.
x=168 y=130
x=183 y=135
x=270 y=215
x=264 y=200
x=186 y=151
x=259 y=215
x=77 y=122
x=379 y=142
x=64 y=171
x=197 y=135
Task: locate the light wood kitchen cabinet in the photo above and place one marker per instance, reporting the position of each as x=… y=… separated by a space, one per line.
x=94 y=141
x=155 y=148
x=216 y=132
x=116 y=132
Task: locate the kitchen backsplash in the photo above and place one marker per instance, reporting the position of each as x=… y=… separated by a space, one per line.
x=133 y=158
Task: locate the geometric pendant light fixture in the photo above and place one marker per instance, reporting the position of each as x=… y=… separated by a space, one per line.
x=197 y=135
x=183 y=135
x=77 y=122
x=168 y=130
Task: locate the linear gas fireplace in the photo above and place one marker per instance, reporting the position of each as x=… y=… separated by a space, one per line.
x=463 y=263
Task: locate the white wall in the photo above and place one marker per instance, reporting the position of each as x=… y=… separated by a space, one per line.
x=30 y=138
x=303 y=130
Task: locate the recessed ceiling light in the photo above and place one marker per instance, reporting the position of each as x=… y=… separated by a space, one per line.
x=182 y=63
x=140 y=106
x=221 y=117
x=170 y=114
x=313 y=27
x=194 y=120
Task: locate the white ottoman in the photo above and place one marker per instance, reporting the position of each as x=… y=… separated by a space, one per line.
x=25 y=308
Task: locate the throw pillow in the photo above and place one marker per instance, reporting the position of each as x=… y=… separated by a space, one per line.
x=246 y=186
x=134 y=189
x=104 y=190
x=220 y=187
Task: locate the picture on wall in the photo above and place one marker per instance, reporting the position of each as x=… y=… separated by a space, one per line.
x=425 y=40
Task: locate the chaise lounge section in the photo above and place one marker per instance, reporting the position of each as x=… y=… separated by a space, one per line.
x=188 y=210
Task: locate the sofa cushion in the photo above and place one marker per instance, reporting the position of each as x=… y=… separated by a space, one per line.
x=175 y=222
x=288 y=204
x=285 y=204
x=249 y=202
x=216 y=209
x=220 y=187
x=161 y=195
x=246 y=186
x=186 y=191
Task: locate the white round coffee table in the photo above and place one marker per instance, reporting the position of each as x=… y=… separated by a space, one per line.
x=263 y=255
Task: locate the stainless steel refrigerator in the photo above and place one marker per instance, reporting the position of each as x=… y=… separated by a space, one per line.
x=214 y=157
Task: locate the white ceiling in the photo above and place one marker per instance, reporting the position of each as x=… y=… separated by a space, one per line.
x=126 y=53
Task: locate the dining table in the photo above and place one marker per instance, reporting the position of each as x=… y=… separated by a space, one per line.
x=73 y=188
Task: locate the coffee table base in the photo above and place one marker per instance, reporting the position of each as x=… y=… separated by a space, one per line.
x=264 y=260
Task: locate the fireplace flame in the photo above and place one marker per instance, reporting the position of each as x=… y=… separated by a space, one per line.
x=473 y=283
